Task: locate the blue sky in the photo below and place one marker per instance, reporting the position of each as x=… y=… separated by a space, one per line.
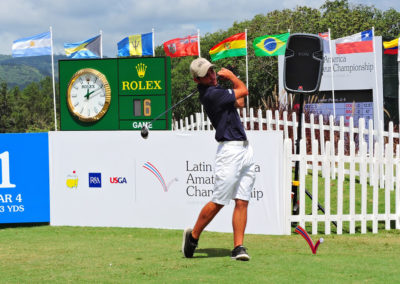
x=77 y=20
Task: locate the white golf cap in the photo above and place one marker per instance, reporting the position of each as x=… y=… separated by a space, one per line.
x=199 y=67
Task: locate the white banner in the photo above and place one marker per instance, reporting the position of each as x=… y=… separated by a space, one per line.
x=117 y=178
x=354 y=71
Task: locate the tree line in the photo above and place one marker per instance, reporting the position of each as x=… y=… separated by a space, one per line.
x=27 y=110
x=31 y=109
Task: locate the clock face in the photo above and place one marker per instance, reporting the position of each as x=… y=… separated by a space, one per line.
x=88 y=95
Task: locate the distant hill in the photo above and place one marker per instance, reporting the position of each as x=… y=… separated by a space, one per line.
x=25 y=70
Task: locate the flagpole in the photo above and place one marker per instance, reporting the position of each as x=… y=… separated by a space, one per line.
x=332 y=82
x=398 y=69
x=152 y=37
x=247 y=73
x=101 y=44
x=198 y=46
x=198 y=41
x=291 y=98
x=52 y=71
x=376 y=81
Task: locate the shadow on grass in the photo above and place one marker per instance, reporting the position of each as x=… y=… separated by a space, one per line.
x=20 y=225
x=212 y=252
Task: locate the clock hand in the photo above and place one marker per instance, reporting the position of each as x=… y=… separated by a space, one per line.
x=95 y=93
x=87 y=94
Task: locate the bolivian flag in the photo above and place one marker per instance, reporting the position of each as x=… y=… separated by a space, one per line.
x=270 y=45
x=230 y=47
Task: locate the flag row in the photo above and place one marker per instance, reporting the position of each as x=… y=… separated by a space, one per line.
x=235 y=45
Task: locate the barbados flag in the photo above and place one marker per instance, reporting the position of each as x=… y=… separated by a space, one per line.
x=84 y=49
x=270 y=45
x=136 y=45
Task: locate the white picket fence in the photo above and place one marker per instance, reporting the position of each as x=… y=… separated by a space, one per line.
x=364 y=163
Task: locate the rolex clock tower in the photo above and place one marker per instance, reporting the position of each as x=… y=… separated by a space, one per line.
x=114 y=94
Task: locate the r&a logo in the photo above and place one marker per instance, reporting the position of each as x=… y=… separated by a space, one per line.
x=95 y=180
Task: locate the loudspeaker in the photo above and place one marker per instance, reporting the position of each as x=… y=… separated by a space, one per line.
x=303 y=63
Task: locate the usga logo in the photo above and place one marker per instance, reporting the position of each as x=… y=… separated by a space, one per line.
x=118 y=180
x=95 y=180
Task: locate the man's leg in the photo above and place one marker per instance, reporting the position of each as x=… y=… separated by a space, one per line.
x=205 y=217
x=191 y=237
x=239 y=221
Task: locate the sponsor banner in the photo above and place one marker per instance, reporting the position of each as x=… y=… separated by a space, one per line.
x=120 y=179
x=24 y=178
x=354 y=71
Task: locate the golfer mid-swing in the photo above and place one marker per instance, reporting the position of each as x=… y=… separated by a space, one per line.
x=234 y=166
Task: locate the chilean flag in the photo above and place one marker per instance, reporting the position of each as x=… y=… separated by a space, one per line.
x=357 y=43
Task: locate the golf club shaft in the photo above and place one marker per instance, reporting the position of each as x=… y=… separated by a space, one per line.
x=182 y=100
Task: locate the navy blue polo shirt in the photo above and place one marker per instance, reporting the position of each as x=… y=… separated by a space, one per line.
x=219 y=104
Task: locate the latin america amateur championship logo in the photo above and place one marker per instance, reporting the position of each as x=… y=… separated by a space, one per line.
x=151 y=168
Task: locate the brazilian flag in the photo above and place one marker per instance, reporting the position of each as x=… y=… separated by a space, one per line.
x=270 y=45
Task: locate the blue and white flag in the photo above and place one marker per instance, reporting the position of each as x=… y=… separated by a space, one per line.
x=32 y=46
x=89 y=48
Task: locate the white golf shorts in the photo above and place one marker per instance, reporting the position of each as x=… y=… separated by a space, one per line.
x=234 y=172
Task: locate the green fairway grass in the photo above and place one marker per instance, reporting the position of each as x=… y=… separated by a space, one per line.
x=129 y=255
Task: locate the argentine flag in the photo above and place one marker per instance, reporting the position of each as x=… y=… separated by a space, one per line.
x=32 y=46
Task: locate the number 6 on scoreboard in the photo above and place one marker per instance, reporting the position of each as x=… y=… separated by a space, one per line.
x=147 y=107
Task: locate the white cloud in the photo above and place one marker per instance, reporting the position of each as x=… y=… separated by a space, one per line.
x=77 y=20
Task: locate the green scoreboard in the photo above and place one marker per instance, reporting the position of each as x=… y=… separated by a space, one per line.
x=115 y=93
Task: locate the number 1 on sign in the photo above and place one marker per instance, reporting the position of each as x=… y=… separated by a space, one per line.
x=5 y=171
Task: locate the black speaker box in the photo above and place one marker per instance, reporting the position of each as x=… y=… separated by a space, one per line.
x=302 y=70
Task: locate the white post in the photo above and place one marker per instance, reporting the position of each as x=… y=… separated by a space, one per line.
x=101 y=44
x=247 y=73
x=198 y=41
x=291 y=98
x=152 y=37
x=54 y=86
x=198 y=46
x=376 y=87
x=333 y=86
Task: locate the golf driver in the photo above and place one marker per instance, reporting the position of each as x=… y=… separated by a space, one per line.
x=145 y=130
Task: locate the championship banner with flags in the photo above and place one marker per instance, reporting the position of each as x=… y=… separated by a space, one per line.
x=84 y=49
x=270 y=45
x=230 y=47
x=178 y=47
x=357 y=43
x=136 y=45
x=391 y=47
x=32 y=46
